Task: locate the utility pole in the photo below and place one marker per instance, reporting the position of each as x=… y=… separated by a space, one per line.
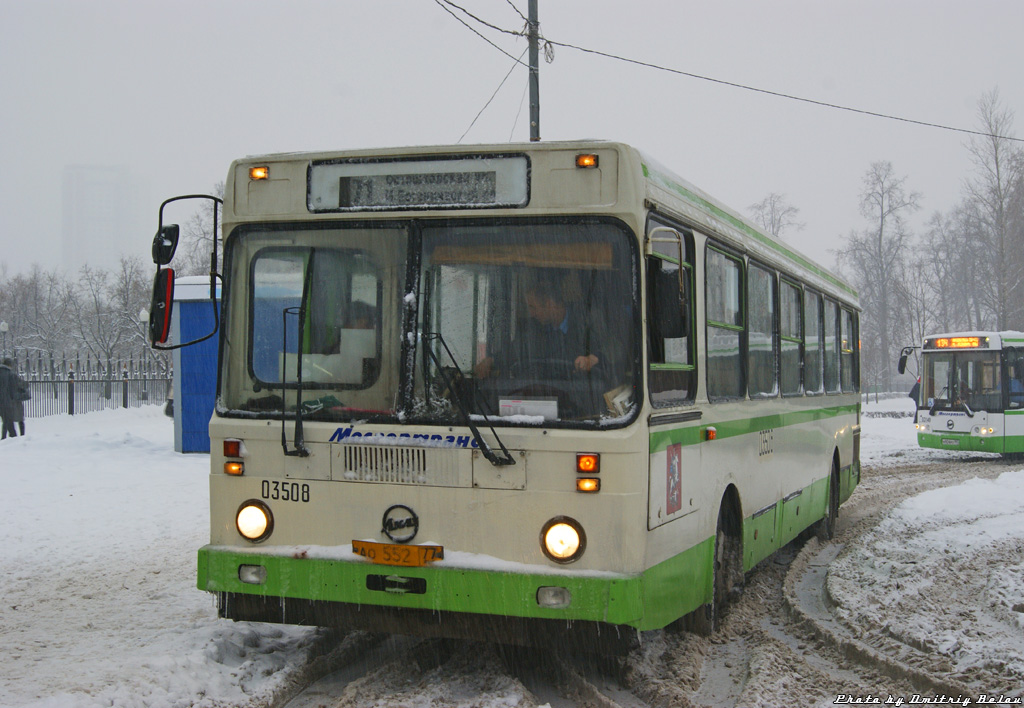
x=534 y=74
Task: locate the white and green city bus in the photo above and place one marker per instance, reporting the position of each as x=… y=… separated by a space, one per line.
x=506 y=390
x=971 y=393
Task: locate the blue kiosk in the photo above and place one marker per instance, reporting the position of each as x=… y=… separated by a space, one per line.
x=195 y=367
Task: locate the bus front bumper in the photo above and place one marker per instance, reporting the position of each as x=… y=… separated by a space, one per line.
x=442 y=599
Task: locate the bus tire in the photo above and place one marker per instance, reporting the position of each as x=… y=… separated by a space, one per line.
x=727 y=575
x=826 y=527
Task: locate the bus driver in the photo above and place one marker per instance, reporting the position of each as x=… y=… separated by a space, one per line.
x=554 y=332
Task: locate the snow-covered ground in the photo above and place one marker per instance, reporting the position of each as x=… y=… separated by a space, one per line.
x=100 y=521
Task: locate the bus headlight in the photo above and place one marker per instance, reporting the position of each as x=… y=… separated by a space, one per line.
x=254 y=521
x=562 y=539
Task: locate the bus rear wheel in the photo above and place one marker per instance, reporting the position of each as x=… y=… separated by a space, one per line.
x=826 y=528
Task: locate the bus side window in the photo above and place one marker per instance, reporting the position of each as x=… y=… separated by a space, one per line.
x=831 y=347
x=813 y=342
x=1015 y=374
x=762 y=364
x=671 y=376
x=725 y=325
x=848 y=347
x=790 y=331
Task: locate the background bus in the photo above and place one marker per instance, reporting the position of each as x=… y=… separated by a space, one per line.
x=972 y=392
x=505 y=391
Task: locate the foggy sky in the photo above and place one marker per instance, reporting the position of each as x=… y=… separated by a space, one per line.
x=172 y=92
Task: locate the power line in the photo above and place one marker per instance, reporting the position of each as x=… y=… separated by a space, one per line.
x=722 y=82
x=777 y=94
x=519 y=61
x=441 y=5
x=519 y=112
x=518 y=12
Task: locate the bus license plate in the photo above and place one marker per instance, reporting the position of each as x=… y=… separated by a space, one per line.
x=950 y=441
x=395 y=554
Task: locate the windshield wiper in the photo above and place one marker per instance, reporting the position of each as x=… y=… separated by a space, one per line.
x=495 y=459
x=299 y=442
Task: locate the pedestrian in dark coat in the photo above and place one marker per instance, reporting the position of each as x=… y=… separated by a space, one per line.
x=12 y=393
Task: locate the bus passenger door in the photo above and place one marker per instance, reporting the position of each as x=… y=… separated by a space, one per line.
x=671 y=377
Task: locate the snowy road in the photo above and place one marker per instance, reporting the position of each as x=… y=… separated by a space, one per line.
x=101 y=521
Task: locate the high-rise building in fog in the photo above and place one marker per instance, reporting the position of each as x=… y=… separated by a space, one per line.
x=101 y=217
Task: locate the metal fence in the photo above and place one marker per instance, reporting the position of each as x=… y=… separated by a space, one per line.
x=77 y=386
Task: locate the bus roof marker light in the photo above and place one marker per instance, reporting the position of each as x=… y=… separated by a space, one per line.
x=261 y=172
x=586 y=161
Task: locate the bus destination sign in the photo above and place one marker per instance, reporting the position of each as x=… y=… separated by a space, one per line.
x=431 y=189
x=957 y=343
x=444 y=183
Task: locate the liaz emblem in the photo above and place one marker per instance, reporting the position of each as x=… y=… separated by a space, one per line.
x=400 y=523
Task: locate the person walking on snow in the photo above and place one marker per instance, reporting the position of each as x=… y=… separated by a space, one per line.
x=12 y=393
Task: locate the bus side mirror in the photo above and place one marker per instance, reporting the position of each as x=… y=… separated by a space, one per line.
x=161 y=305
x=164 y=244
x=669 y=306
x=902 y=366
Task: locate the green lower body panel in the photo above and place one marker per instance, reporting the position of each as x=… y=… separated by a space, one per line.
x=649 y=600
x=1010 y=444
x=773 y=527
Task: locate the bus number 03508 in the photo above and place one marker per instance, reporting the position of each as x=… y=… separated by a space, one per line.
x=285 y=491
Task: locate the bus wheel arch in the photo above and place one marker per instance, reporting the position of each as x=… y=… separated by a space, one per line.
x=727 y=575
x=826 y=527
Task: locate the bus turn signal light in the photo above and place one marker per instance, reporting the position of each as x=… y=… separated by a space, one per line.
x=710 y=433
x=262 y=172
x=588 y=463
x=586 y=161
x=588 y=484
x=234 y=468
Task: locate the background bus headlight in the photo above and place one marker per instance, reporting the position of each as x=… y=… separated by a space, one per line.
x=562 y=539
x=254 y=520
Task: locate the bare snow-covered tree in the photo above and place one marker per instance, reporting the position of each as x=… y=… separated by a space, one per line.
x=775 y=215
x=994 y=192
x=876 y=261
x=197 y=234
x=36 y=307
x=99 y=325
x=953 y=269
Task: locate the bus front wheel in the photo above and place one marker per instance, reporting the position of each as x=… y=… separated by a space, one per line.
x=727 y=575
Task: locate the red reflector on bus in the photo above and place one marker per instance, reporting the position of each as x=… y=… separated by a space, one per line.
x=588 y=463
x=232 y=448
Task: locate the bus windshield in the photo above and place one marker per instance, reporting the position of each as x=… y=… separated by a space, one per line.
x=526 y=323
x=955 y=379
x=515 y=323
